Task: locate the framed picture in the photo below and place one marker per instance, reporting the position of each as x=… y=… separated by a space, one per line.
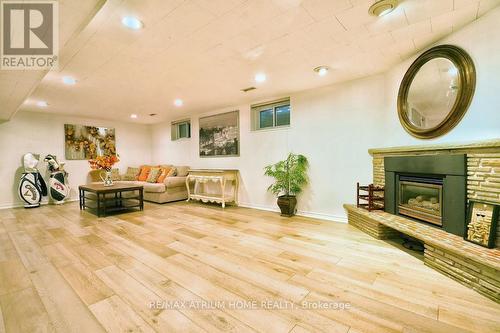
x=87 y=142
x=481 y=223
x=220 y=135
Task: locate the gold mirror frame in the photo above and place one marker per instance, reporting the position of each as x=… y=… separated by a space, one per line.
x=467 y=84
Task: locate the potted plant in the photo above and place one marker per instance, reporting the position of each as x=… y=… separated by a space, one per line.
x=290 y=177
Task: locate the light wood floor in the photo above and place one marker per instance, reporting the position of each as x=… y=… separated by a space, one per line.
x=62 y=270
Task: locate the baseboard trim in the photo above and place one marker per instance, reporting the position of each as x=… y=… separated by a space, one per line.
x=314 y=215
x=20 y=204
x=323 y=216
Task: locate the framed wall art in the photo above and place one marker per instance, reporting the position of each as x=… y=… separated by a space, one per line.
x=220 y=135
x=87 y=142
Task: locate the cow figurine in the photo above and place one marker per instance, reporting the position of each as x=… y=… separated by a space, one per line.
x=58 y=181
x=32 y=187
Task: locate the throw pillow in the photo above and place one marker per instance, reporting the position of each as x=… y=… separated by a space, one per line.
x=131 y=174
x=165 y=172
x=182 y=171
x=143 y=175
x=115 y=174
x=153 y=175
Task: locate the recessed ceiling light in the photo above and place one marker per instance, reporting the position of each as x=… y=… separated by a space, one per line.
x=133 y=116
x=69 y=80
x=178 y=102
x=42 y=104
x=260 y=77
x=382 y=7
x=322 y=70
x=132 y=22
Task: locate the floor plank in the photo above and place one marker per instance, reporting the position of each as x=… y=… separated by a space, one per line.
x=23 y=311
x=2 y=325
x=86 y=284
x=139 y=298
x=13 y=276
x=116 y=316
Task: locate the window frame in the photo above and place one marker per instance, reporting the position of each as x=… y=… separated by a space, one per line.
x=175 y=129
x=256 y=110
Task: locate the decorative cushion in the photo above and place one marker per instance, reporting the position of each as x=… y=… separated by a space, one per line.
x=165 y=172
x=131 y=174
x=144 y=173
x=182 y=171
x=115 y=174
x=153 y=175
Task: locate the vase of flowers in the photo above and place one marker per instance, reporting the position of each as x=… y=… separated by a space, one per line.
x=104 y=163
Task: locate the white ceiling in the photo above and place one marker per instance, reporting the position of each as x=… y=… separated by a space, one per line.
x=16 y=86
x=205 y=51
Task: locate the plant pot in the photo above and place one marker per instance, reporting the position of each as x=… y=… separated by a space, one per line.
x=288 y=205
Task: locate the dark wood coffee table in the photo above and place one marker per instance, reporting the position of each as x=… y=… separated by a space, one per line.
x=107 y=199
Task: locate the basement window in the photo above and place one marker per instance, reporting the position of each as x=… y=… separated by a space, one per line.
x=271 y=114
x=181 y=129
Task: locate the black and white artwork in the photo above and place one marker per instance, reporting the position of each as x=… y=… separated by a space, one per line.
x=220 y=135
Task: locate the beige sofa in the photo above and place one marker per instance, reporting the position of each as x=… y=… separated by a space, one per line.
x=172 y=189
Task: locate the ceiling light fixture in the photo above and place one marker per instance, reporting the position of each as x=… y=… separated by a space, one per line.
x=178 y=102
x=42 y=104
x=132 y=22
x=382 y=7
x=69 y=80
x=322 y=70
x=260 y=77
x=133 y=116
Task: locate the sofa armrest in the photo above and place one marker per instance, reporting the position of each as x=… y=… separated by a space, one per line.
x=171 y=182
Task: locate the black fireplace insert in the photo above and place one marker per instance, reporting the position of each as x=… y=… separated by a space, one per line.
x=429 y=189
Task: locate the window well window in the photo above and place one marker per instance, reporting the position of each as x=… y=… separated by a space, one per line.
x=181 y=129
x=271 y=114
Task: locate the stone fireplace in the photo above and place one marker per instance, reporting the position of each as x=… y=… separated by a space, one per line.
x=429 y=189
x=482 y=167
x=426 y=191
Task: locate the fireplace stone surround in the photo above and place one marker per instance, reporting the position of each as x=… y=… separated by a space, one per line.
x=482 y=160
x=472 y=265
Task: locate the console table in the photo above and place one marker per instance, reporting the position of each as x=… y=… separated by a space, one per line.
x=221 y=177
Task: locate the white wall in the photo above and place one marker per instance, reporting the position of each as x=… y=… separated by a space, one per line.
x=332 y=126
x=43 y=133
x=482 y=121
x=336 y=125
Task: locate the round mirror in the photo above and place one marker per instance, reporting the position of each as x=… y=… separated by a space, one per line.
x=436 y=91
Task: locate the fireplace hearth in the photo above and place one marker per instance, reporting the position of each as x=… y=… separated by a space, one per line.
x=430 y=189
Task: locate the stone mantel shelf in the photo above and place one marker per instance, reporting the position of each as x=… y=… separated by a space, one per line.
x=433 y=236
x=455 y=147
